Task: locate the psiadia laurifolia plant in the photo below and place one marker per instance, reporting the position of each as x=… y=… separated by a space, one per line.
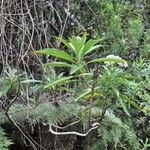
x=109 y=81
x=104 y=86
x=77 y=47
x=74 y=59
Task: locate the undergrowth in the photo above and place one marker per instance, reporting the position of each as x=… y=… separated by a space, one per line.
x=73 y=82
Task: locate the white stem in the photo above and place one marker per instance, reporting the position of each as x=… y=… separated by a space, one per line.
x=95 y=126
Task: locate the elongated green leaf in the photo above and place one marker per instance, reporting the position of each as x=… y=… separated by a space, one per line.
x=58 y=82
x=107 y=60
x=123 y=106
x=131 y=102
x=57 y=53
x=121 y=102
x=88 y=91
x=93 y=48
x=57 y=64
x=88 y=46
x=87 y=94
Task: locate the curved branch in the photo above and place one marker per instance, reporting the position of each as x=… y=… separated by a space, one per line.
x=95 y=126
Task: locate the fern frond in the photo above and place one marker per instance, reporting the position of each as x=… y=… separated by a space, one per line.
x=43 y=112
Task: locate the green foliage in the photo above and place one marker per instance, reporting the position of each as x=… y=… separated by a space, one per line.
x=115 y=132
x=141 y=70
x=111 y=88
x=4 y=141
x=94 y=82
x=8 y=81
x=145 y=51
x=135 y=30
x=119 y=22
x=43 y=112
x=78 y=47
x=145 y=144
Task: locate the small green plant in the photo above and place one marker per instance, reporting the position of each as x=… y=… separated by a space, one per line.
x=8 y=81
x=78 y=48
x=135 y=31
